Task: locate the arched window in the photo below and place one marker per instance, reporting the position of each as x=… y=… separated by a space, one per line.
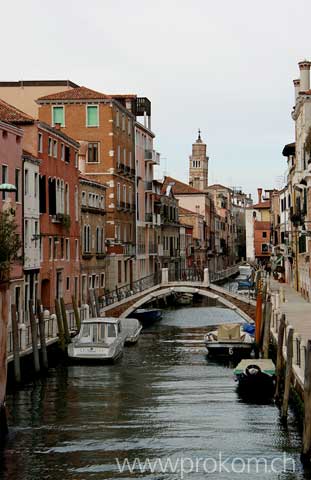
x=67 y=199
x=62 y=197
x=76 y=204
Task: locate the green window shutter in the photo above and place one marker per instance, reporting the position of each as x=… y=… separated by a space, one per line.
x=92 y=116
x=58 y=116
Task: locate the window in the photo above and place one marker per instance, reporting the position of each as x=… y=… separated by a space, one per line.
x=118 y=155
x=50 y=147
x=26 y=181
x=119 y=271
x=58 y=116
x=102 y=202
x=118 y=194
x=4 y=180
x=26 y=233
x=130 y=159
x=118 y=118
x=76 y=249
x=264 y=234
x=86 y=238
x=36 y=184
x=62 y=151
x=123 y=122
x=264 y=248
x=130 y=195
x=62 y=248
x=129 y=126
x=67 y=283
x=40 y=143
x=67 y=210
x=67 y=249
x=102 y=280
x=92 y=153
x=124 y=156
x=76 y=159
x=76 y=204
x=124 y=193
x=302 y=244
x=90 y=200
x=50 y=248
x=67 y=154
x=17 y=185
x=92 y=116
x=56 y=241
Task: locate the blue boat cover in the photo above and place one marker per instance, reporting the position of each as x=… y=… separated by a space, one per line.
x=249 y=328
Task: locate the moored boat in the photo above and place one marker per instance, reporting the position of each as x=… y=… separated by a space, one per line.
x=230 y=340
x=146 y=316
x=184 y=299
x=100 y=339
x=256 y=378
x=131 y=327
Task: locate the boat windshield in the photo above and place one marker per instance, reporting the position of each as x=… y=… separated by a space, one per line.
x=86 y=334
x=111 y=330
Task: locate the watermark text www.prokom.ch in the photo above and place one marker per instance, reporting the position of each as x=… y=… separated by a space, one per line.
x=187 y=465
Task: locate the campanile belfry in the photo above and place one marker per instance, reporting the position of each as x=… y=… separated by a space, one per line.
x=198 y=165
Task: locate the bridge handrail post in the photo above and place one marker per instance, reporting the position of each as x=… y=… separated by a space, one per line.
x=164 y=275
x=206 y=280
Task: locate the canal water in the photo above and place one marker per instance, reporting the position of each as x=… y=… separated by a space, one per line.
x=164 y=406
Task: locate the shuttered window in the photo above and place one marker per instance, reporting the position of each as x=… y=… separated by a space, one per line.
x=92 y=116
x=58 y=116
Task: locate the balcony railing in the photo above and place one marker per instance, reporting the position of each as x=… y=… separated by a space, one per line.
x=148 y=217
x=129 y=249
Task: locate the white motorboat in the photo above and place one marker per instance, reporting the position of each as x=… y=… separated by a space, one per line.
x=230 y=340
x=131 y=327
x=100 y=339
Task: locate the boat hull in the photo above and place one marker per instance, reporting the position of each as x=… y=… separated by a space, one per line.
x=256 y=386
x=229 y=349
x=147 y=316
x=91 y=355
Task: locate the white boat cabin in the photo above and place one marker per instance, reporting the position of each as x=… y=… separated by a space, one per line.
x=100 y=330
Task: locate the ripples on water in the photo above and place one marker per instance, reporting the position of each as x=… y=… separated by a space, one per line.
x=163 y=399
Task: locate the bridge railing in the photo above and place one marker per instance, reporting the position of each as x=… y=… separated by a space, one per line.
x=186 y=275
x=223 y=274
x=130 y=289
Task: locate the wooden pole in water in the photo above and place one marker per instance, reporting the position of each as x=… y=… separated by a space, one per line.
x=76 y=313
x=65 y=321
x=44 y=354
x=279 y=358
x=60 y=325
x=258 y=317
x=288 y=372
x=306 y=444
x=16 y=359
x=266 y=333
x=4 y=294
x=34 y=337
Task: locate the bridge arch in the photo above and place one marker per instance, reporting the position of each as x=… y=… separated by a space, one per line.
x=184 y=289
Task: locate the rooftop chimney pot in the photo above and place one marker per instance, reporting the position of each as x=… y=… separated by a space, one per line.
x=259 y=190
x=304 y=68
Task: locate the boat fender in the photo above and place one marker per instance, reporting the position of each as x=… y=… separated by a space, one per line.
x=252 y=370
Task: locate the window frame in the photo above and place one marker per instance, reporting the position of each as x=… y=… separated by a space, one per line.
x=90 y=105
x=63 y=109
x=98 y=153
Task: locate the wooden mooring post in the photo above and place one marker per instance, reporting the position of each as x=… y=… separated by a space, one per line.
x=60 y=326
x=65 y=321
x=288 y=373
x=279 y=358
x=44 y=354
x=34 y=337
x=15 y=338
x=266 y=332
x=306 y=443
x=76 y=313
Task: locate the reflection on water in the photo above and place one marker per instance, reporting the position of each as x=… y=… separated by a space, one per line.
x=163 y=399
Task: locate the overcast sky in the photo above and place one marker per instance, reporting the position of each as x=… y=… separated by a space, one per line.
x=225 y=66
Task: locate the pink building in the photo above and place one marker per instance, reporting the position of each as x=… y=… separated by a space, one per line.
x=11 y=172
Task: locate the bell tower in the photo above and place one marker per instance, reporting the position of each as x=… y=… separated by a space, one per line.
x=198 y=165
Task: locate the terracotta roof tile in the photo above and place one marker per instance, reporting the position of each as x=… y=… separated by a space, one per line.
x=266 y=204
x=262 y=225
x=178 y=187
x=13 y=115
x=79 y=93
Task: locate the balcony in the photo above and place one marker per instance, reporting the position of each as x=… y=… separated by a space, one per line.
x=152 y=156
x=149 y=187
x=129 y=249
x=148 y=217
x=87 y=255
x=100 y=255
x=156 y=219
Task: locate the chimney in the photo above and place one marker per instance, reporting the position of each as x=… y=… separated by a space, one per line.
x=297 y=88
x=304 y=68
x=57 y=126
x=259 y=190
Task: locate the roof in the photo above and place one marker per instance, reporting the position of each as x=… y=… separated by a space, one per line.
x=289 y=149
x=259 y=225
x=185 y=211
x=216 y=186
x=78 y=93
x=39 y=83
x=178 y=187
x=11 y=114
x=266 y=204
x=60 y=133
x=90 y=181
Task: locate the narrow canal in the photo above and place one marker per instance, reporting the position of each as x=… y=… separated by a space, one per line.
x=164 y=400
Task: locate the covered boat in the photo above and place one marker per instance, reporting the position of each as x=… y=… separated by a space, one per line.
x=131 y=327
x=230 y=340
x=146 y=316
x=256 y=377
x=100 y=339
